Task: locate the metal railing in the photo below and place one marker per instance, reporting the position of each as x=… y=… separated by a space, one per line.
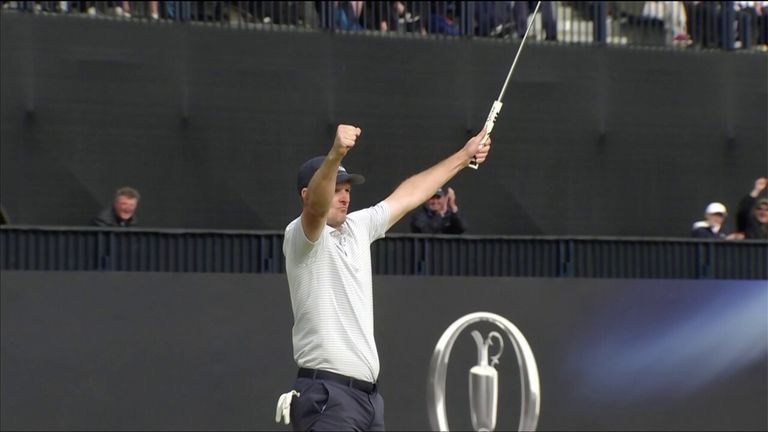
x=31 y=248
x=706 y=24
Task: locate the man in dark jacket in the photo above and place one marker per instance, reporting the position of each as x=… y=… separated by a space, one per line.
x=122 y=212
x=752 y=218
x=439 y=215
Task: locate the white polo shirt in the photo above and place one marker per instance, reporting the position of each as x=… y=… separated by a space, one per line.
x=332 y=294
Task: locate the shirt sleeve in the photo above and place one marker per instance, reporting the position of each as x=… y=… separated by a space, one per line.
x=373 y=219
x=296 y=245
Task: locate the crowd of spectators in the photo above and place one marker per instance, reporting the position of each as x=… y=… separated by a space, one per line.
x=751 y=217
x=706 y=23
x=694 y=23
x=440 y=215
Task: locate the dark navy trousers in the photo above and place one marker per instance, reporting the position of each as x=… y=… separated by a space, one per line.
x=325 y=405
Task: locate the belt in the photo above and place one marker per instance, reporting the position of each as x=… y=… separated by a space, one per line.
x=344 y=380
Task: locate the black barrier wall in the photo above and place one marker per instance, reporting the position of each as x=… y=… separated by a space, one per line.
x=211 y=124
x=95 y=351
x=207 y=251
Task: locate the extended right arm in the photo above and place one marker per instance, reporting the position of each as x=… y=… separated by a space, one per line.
x=418 y=188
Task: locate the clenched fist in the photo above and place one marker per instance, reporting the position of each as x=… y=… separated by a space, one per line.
x=346 y=136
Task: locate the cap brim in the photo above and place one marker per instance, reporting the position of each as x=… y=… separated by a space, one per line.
x=354 y=179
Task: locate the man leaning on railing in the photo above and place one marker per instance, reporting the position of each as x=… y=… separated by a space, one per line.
x=122 y=212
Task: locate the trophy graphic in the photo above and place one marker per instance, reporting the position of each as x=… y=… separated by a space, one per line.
x=483 y=377
x=484 y=383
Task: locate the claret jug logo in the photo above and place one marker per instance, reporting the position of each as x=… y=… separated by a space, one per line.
x=484 y=383
x=483 y=377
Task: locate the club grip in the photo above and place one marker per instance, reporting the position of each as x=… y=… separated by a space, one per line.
x=489 y=123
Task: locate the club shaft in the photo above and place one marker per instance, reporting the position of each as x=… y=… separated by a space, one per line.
x=519 y=50
x=497 y=104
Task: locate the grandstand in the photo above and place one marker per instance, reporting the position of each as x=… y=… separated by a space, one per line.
x=622 y=121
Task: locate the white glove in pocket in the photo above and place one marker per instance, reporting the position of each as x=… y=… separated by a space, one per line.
x=284 y=406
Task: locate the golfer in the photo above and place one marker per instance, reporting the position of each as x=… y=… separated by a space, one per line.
x=328 y=263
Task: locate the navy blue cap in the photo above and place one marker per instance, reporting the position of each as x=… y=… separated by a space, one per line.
x=311 y=166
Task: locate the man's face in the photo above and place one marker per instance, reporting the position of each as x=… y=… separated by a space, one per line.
x=125 y=207
x=715 y=218
x=761 y=213
x=339 y=205
x=435 y=203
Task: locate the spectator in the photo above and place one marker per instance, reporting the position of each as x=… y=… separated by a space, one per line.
x=394 y=16
x=493 y=19
x=522 y=9
x=439 y=215
x=94 y=8
x=274 y=12
x=122 y=9
x=672 y=13
x=33 y=6
x=704 y=26
x=752 y=217
x=379 y=15
x=749 y=19
x=348 y=14
x=409 y=16
x=4 y=219
x=444 y=18
x=154 y=12
x=122 y=212
x=712 y=226
x=149 y=9
x=762 y=25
